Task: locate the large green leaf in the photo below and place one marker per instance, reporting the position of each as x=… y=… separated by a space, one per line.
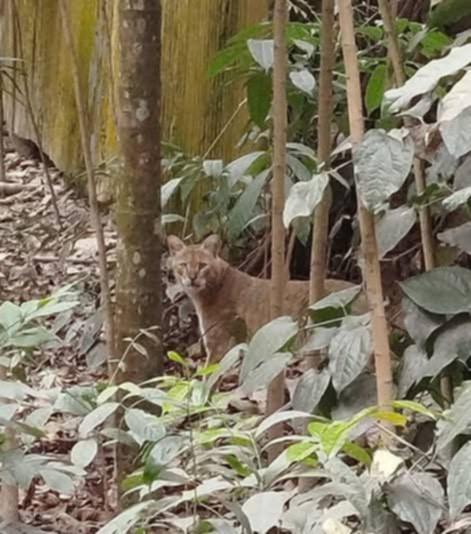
x=168 y=189
x=240 y=166
x=303 y=80
x=83 y=452
x=310 y=389
x=392 y=227
x=267 y=341
x=427 y=77
x=303 y=198
x=417 y=498
x=349 y=353
x=144 y=426
x=457 y=199
x=457 y=419
x=259 y=97
x=459 y=481
x=264 y=510
x=124 y=521
x=459 y=237
x=262 y=51
x=413 y=369
x=375 y=88
x=382 y=162
x=243 y=209
x=445 y=290
x=419 y=324
x=97 y=417
x=456 y=133
x=263 y=374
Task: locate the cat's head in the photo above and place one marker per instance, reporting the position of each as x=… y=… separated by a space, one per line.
x=196 y=267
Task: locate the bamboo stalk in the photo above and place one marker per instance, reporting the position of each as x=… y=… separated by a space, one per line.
x=275 y=396
x=425 y=218
x=372 y=272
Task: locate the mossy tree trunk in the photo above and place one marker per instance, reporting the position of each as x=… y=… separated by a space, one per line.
x=138 y=191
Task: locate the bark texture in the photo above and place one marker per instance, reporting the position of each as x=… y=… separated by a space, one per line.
x=138 y=303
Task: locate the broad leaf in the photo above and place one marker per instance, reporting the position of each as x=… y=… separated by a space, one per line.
x=83 y=452
x=303 y=80
x=418 y=499
x=213 y=167
x=239 y=167
x=456 y=133
x=259 y=97
x=267 y=341
x=392 y=227
x=457 y=199
x=462 y=176
x=453 y=342
x=10 y=315
x=168 y=189
x=459 y=481
x=427 y=77
x=375 y=88
x=339 y=299
x=304 y=197
x=144 y=426
x=349 y=353
x=413 y=369
x=382 y=162
x=242 y=211
x=97 y=417
x=457 y=419
x=310 y=389
x=262 y=51
x=319 y=339
x=166 y=450
x=279 y=417
x=456 y=101
x=445 y=290
x=261 y=376
x=264 y=510
x=419 y=324
x=57 y=481
x=126 y=520
x=459 y=237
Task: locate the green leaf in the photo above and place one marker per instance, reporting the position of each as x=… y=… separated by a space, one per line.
x=213 y=167
x=340 y=299
x=427 y=77
x=349 y=353
x=240 y=166
x=259 y=97
x=166 y=450
x=262 y=50
x=303 y=198
x=375 y=88
x=459 y=237
x=175 y=357
x=459 y=481
x=267 y=341
x=128 y=519
x=300 y=451
x=310 y=389
x=261 y=376
x=455 y=133
x=393 y=226
x=419 y=324
x=268 y=500
x=418 y=499
x=83 y=452
x=168 y=189
x=457 y=199
x=382 y=162
x=445 y=290
x=457 y=419
x=144 y=426
x=10 y=315
x=97 y=417
x=303 y=80
x=57 y=481
x=243 y=209
x=32 y=338
x=413 y=369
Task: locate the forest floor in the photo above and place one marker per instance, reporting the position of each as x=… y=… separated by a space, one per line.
x=38 y=256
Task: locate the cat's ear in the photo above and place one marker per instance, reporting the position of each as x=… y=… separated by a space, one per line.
x=175 y=244
x=213 y=244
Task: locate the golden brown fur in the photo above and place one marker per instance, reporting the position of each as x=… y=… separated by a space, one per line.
x=226 y=298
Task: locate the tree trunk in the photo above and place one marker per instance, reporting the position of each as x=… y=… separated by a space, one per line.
x=138 y=297
x=371 y=270
x=276 y=392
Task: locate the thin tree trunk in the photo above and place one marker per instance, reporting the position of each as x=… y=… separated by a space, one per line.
x=2 y=145
x=275 y=399
x=425 y=219
x=372 y=270
x=324 y=134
